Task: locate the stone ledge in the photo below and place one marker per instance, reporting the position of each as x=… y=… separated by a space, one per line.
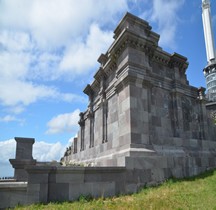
x=13 y=185
x=25 y=140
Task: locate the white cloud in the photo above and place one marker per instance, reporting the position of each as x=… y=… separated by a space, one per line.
x=164 y=13
x=15 y=109
x=10 y=118
x=80 y=57
x=67 y=122
x=6 y=170
x=43 y=151
x=16 y=88
x=53 y=23
x=7 y=150
x=47 y=40
x=7 y=118
x=25 y=93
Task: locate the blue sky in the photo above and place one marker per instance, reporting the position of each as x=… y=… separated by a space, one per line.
x=49 y=51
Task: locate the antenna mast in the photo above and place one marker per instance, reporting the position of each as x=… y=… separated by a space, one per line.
x=210 y=69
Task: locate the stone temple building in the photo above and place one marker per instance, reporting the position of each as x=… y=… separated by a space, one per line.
x=141 y=107
x=144 y=124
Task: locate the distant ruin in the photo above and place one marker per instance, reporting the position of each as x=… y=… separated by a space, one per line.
x=144 y=124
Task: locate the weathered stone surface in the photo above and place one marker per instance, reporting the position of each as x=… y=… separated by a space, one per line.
x=149 y=102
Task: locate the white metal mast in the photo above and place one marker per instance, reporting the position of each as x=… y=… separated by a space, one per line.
x=210 y=69
x=208 y=33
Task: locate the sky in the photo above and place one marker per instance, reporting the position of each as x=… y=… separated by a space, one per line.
x=48 y=54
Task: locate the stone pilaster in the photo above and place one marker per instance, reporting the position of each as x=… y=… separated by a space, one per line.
x=82 y=128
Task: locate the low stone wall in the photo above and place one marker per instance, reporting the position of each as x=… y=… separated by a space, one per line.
x=12 y=194
x=49 y=182
x=56 y=183
x=46 y=184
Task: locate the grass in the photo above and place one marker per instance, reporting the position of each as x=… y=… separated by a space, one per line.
x=193 y=193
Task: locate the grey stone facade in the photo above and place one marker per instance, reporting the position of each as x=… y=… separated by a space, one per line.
x=144 y=124
x=141 y=106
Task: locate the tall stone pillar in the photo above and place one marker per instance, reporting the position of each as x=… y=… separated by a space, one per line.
x=23 y=157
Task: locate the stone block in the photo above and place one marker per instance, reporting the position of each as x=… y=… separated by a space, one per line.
x=145 y=139
x=137 y=176
x=136 y=138
x=148 y=162
x=131 y=188
x=156 y=121
x=177 y=172
x=95 y=189
x=194 y=143
x=121 y=161
x=72 y=177
x=33 y=193
x=212 y=162
x=58 y=192
x=157 y=175
x=177 y=142
x=35 y=178
x=124 y=140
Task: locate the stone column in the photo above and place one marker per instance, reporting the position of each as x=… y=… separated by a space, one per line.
x=23 y=158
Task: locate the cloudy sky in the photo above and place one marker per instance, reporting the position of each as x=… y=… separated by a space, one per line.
x=49 y=51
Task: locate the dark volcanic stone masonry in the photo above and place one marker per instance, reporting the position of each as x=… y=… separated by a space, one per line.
x=142 y=112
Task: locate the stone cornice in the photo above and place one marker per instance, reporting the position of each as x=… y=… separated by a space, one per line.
x=160 y=56
x=102 y=59
x=179 y=61
x=136 y=24
x=100 y=74
x=88 y=90
x=132 y=32
x=24 y=140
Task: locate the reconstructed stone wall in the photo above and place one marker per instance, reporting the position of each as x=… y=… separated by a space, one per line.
x=141 y=104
